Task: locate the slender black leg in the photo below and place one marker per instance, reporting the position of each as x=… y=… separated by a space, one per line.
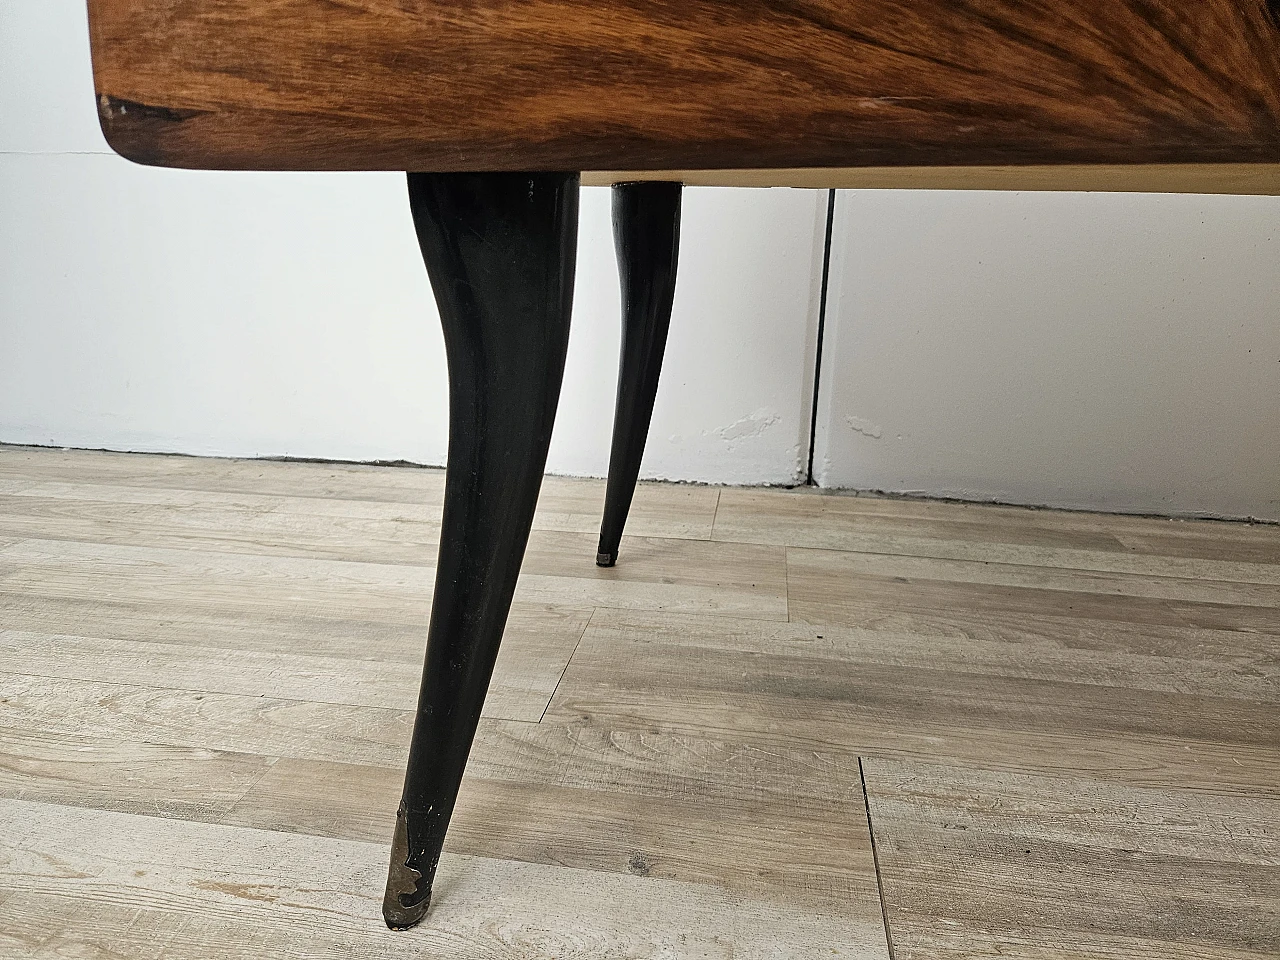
x=646 y=233
x=499 y=249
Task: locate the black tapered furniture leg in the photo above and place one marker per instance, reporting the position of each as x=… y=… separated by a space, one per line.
x=499 y=249
x=646 y=234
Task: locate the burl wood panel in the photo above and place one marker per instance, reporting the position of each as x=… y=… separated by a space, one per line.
x=696 y=84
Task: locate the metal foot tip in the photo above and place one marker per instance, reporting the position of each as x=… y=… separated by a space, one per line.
x=400 y=917
x=408 y=892
x=606 y=559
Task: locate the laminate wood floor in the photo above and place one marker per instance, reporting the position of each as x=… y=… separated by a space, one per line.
x=787 y=724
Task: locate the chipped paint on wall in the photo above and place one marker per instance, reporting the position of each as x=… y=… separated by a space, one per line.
x=864 y=427
x=747 y=428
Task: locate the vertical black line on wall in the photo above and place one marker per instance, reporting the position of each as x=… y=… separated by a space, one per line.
x=822 y=326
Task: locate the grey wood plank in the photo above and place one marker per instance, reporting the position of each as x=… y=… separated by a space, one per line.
x=228 y=723
x=285 y=631
x=340 y=528
x=1013 y=721
x=820 y=596
x=338 y=481
x=331 y=889
x=343 y=491
x=1140 y=759
x=65 y=568
x=811 y=852
x=232 y=640
x=1032 y=520
x=132 y=776
x=272 y=527
x=528 y=669
x=93 y=492
x=1067 y=650
x=8 y=567
x=981 y=863
x=829 y=520
x=1262 y=591
x=829 y=693
x=806 y=520
x=740 y=580
x=1251 y=542
x=558 y=751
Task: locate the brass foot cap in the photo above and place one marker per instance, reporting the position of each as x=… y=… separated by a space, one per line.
x=400 y=917
x=408 y=892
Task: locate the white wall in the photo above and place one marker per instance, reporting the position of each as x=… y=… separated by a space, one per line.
x=282 y=314
x=1115 y=352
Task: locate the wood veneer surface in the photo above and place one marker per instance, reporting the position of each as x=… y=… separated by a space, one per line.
x=700 y=85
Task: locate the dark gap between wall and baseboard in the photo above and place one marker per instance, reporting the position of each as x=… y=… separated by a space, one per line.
x=822 y=327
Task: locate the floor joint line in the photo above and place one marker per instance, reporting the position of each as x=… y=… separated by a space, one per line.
x=559 y=679
x=875 y=859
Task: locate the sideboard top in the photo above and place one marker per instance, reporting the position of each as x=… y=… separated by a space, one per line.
x=699 y=85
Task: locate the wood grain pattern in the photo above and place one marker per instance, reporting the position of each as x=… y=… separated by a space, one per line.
x=1249 y=585
x=284 y=631
x=1004 y=700
x=257 y=478
x=782 y=696
x=128 y=775
x=983 y=864
x=658 y=822
x=227 y=723
x=364 y=531
x=201 y=754
x=528 y=669
x=1120 y=544
x=316 y=892
x=754 y=586
x=951 y=608
x=641 y=84
x=1107 y=654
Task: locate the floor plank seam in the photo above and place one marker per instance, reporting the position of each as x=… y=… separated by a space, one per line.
x=231 y=807
x=786 y=576
x=585 y=628
x=875 y=859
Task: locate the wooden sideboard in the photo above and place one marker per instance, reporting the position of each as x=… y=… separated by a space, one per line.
x=468 y=96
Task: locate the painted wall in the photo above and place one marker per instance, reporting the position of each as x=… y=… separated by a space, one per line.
x=1110 y=352
x=282 y=314
x=1113 y=352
